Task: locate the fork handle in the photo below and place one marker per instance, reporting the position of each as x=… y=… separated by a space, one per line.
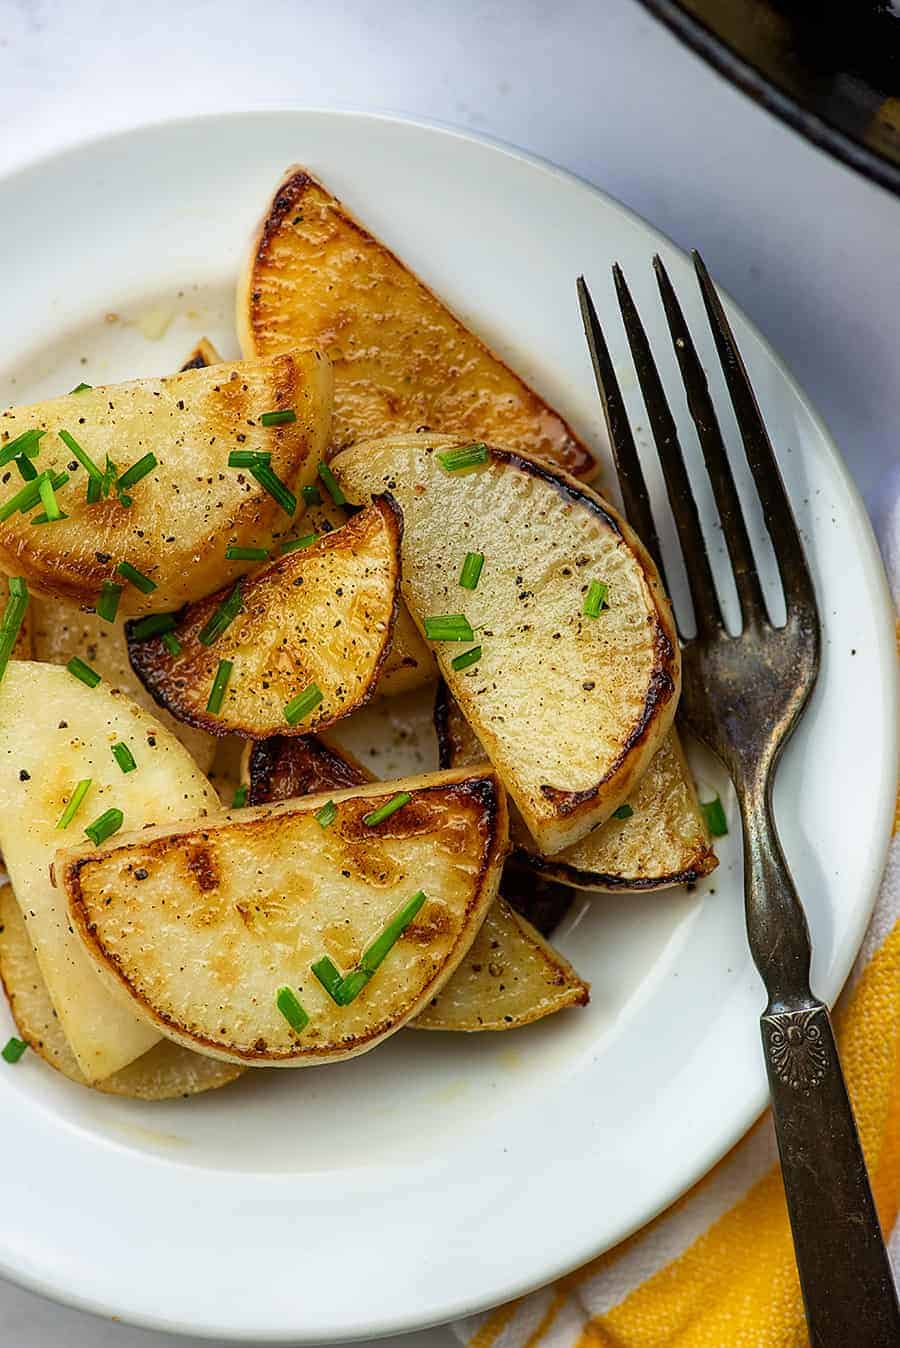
x=845 y=1276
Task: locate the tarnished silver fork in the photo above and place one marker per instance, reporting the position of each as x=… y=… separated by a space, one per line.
x=742 y=696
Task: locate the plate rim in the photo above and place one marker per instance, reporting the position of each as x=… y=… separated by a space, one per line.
x=407 y=1319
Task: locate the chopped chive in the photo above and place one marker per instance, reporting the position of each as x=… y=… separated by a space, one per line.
x=352 y=985
x=137 y=578
x=331 y=484
x=140 y=469
x=220 y=683
x=311 y=495
x=222 y=618
x=13 y=1049
x=94 y=490
x=124 y=757
x=278 y=418
x=13 y=617
x=714 y=814
x=327 y=815
x=385 y=811
x=292 y=544
x=248 y=458
x=466 y=456
x=27 y=470
x=471 y=570
x=108 y=603
x=269 y=479
x=290 y=1008
x=57 y=481
x=303 y=704
x=154 y=625
x=595 y=599
x=449 y=627
x=74 y=804
x=239 y=799
x=126 y=501
x=26 y=498
x=330 y=977
x=94 y=473
x=460 y=662
x=49 y=501
x=83 y=672
x=236 y=554
x=623 y=812
x=25 y=445
x=382 y=944
x=105 y=825
x=171 y=643
x=82 y=388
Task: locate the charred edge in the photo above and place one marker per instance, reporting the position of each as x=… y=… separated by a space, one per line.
x=323 y=767
x=286 y=199
x=442 y=725
x=704 y=863
x=195 y=361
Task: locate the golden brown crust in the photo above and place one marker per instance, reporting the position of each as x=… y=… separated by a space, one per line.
x=282 y=768
x=411 y=365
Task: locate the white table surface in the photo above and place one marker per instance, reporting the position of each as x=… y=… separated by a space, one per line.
x=811 y=251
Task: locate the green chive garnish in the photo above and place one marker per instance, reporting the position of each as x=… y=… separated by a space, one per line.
x=24 y=445
x=222 y=618
x=124 y=757
x=714 y=814
x=27 y=470
x=83 y=672
x=220 y=683
x=82 y=388
x=29 y=496
x=49 y=501
x=94 y=473
x=248 y=458
x=171 y=643
x=471 y=570
x=595 y=599
x=352 y=985
x=330 y=977
x=105 y=825
x=13 y=616
x=292 y=544
x=138 y=470
x=236 y=554
x=137 y=578
x=278 y=418
x=269 y=479
x=74 y=804
x=154 y=625
x=13 y=1049
x=291 y=1009
x=311 y=495
x=466 y=456
x=385 y=811
x=331 y=484
x=327 y=815
x=108 y=603
x=467 y=658
x=303 y=704
x=449 y=627
x=623 y=812
x=391 y=934
x=239 y=799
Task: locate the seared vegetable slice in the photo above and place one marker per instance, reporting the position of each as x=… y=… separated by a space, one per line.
x=54 y=733
x=306 y=636
x=165 y=1072
x=663 y=841
x=174 y=523
x=510 y=977
x=569 y=708
x=316 y=276
x=204 y=926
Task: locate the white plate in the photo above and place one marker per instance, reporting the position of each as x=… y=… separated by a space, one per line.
x=438 y=1174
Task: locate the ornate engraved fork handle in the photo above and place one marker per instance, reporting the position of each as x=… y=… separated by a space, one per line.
x=844 y=1272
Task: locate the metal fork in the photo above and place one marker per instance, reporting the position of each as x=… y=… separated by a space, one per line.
x=742 y=696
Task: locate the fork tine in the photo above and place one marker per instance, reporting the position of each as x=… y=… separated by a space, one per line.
x=779 y=518
x=628 y=466
x=681 y=497
x=700 y=404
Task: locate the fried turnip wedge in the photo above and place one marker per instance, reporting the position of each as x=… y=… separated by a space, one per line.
x=658 y=838
x=561 y=652
x=301 y=933
x=165 y=1072
x=316 y=276
x=57 y=733
x=510 y=977
x=138 y=475
x=303 y=640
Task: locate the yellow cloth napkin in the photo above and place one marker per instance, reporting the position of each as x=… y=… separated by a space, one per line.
x=717 y=1269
